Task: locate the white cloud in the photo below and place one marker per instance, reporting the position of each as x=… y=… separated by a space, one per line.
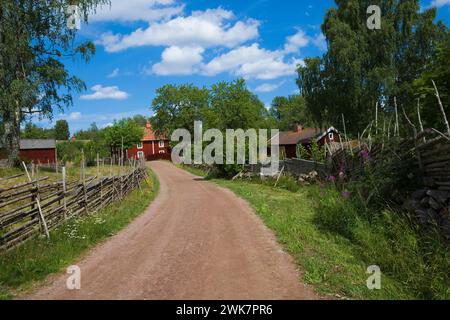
x=440 y=3
x=320 y=42
x=139 y=10
x=114 y=73
x=297 y=41
x=178 y=61
x=73 y=116
x=103 y=93
x=106 y=125
x=252 y=62
x=209 y=28
x=267 y=87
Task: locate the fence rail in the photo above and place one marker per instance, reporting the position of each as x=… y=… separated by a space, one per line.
x=31 y=208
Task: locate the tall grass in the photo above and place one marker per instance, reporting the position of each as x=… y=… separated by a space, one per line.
x=418 y=258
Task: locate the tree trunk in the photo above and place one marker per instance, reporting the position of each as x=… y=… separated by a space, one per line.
x=12 y=136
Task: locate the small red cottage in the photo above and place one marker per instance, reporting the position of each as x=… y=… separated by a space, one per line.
x=289 y=140
x=38 y=150
x=152 y=147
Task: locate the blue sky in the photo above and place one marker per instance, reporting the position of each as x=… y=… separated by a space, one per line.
x=144 y=44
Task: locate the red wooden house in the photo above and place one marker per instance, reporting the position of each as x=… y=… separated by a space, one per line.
x=41 y=151
x=152 y=147
x=290 y=140
x=38 y=150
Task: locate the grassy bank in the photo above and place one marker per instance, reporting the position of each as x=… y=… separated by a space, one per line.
x=39 y=257
x=334 y=243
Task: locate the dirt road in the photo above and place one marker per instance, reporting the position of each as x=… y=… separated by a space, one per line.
x=195 y=241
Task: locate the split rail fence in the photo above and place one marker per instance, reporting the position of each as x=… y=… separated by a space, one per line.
x=37 y=206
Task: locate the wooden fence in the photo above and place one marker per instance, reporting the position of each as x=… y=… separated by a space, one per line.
x=294 y=167
x=297 y=167
x=426 y=155
x=35 y=207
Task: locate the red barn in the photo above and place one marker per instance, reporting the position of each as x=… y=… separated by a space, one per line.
x=38 y=150
x=152 y=147
x=290 y=140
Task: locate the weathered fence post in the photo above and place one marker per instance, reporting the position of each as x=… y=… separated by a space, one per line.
x=441 y=107
x=83 y=175
x=38 y=203
x=98 y=165
x=63 y=170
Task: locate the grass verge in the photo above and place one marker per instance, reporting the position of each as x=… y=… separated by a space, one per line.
x=39 y=257
x=334 y=245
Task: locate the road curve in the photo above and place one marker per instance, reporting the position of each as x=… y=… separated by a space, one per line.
x=195 y=241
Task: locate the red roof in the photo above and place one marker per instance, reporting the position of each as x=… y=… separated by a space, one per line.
x=304 y=135
x=149 y=134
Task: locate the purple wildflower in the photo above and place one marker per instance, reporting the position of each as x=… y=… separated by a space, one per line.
x=332 y=178
x=364 y=154
x=346 y=195
x=342 y=167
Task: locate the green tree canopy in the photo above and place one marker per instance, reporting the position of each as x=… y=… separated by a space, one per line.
x=363 y=67
x=92 y=133
x=236 y=107
x=140 y=119
x=287 y=110
x=125 y=131
x=32 y=131
x=35 y=37
x=227 y=105
x=178 y=107
x=62 y=130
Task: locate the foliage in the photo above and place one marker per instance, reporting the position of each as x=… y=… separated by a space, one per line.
x=62 y=130
x=317 y=152
x=287 y=110
x=312 y=89
x=71 y=151
x=235 y=107
x=387 y=238
x=302 y=152
x=178 y=107
x=439 y=71
x=125 y=132
x=227 y=105
x=92 y=133
x=140 y=119
x=363 y=67
x=32 y=131
x=35 y=38
x=224 y=106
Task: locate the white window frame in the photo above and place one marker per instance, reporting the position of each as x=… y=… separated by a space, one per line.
x=161 y=144
x=140 y=145
x=331 y=136
x=140 y=155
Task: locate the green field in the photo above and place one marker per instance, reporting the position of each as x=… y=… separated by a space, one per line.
x=72 y=172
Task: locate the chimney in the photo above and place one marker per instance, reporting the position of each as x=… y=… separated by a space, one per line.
x=297 y=126
x=148 y=125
